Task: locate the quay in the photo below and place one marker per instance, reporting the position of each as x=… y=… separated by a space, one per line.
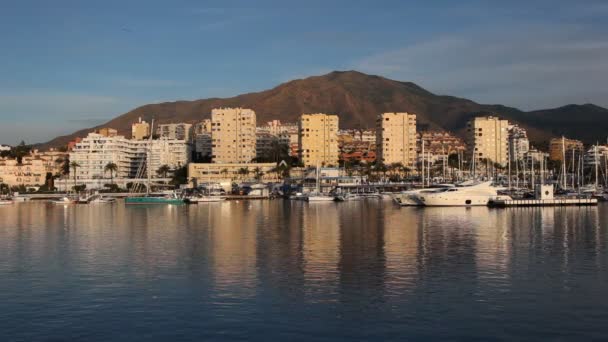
x=543 y=198
x=555 y=202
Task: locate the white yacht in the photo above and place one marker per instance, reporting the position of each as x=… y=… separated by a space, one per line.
x=99 y=199
x=344 y=197
x=473 y=195
x=411 y=197
x=318 y=197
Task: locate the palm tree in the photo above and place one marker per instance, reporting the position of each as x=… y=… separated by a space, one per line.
x=244 y=171
x=74 y=165
x=224 y=172
x=163 y=170
x=258 y=173
x=112 y=168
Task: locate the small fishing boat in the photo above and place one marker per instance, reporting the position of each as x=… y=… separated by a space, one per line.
x=64 y=201
x=346 y=197
x=5 y=201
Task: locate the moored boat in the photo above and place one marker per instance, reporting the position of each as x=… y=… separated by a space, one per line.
x=473 y=195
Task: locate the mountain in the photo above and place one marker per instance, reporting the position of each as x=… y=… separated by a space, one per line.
x=357 y=98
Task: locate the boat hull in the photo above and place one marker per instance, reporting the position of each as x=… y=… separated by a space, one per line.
x=209 y=199
x=448 y=201
x=152 y=200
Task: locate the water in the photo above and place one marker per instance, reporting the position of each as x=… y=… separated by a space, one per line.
x=274 y=270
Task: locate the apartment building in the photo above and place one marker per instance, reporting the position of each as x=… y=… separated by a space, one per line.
x=560 y=146
x=488 y=139
x=519 y=144
x=175 y=131
x=233 y=137
x=318 y=139
x=107 y=132
x=29 y=173
x=140 y=130
x=202 y=139
x=95 y=151
x=396 y=138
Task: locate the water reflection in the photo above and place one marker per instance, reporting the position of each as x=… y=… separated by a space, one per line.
x=366 y=262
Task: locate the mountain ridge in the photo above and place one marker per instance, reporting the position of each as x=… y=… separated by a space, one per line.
x=357 y=98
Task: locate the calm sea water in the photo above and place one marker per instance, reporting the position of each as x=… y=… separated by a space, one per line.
x=274 y=270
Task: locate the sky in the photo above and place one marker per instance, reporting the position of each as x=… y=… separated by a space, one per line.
x=67 y=65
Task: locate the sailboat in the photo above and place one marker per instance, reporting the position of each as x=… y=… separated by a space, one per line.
x=150 y=198
x=317 y=196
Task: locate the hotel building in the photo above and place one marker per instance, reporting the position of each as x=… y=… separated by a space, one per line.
x=318 y=140
x=396 y=138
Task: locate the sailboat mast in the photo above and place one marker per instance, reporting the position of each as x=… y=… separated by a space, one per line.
x=597 y=162
x=563 y=162
x=149 y=157
x=422 y=159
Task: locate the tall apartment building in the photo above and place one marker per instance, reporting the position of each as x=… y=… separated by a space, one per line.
x=175 y=131
x=140 y=130
x=396 y=138
x=318 y=140
x=519 y=144
x=560 y=146
x=233 y=137
x=488 y=138
x=95 y=151
x=202 y=139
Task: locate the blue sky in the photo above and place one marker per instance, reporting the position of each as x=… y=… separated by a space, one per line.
x=66 y=65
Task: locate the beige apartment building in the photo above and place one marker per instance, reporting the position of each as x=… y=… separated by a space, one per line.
x=233 y=137
x=560 y=146
x=396 y=138
x=488 y=139
x=318 y=140
x=28 y=173
x=140 y=130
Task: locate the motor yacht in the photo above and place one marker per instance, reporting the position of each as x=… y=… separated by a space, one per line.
x=473 y=195
x=411 y=197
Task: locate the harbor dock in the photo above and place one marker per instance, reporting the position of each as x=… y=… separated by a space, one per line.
x=555 y=202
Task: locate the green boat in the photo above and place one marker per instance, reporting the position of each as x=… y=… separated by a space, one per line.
x=154 y=200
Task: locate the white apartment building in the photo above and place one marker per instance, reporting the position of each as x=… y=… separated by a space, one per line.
x=4 y=148
x=95 y=151
x=318 y=139
x=396 y=138
x=519 y=144
x=175 y=131
x=233 y=137
x=488 y=138
x=596 y=155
